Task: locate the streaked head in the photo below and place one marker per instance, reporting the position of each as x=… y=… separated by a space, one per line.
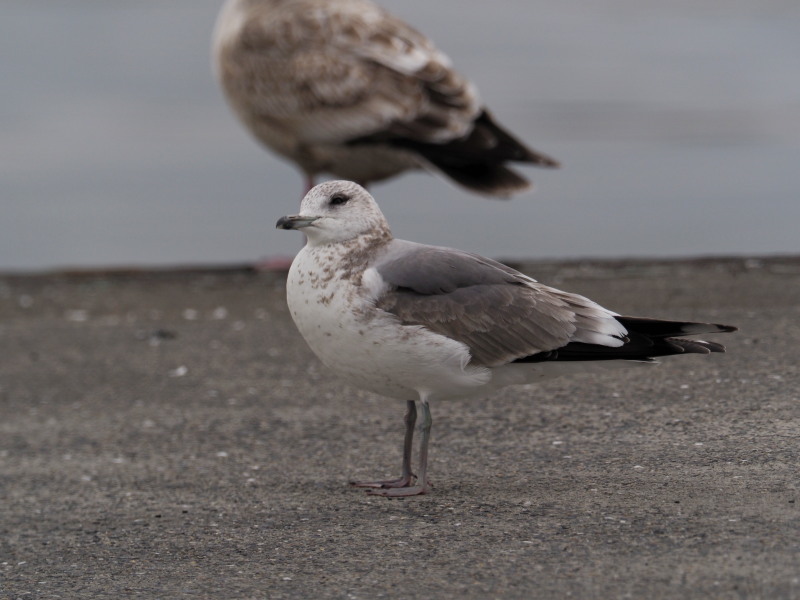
x=336 y=211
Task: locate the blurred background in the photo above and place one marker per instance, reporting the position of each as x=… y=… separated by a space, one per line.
x=677 y=122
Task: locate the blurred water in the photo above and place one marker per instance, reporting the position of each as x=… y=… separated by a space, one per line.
x=678 y=124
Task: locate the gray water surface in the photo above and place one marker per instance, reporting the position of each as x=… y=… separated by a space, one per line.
x=678 y=124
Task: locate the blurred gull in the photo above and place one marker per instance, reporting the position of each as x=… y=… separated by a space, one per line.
x=423 y=323
x=343 y=87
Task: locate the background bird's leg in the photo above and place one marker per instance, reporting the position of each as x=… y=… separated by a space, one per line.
x=281 y=263
x=406 y=477
x=309 y=184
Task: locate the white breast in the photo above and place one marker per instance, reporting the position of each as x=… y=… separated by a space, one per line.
x=335 y=313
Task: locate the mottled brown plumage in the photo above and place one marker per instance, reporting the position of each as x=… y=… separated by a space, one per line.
x=343 y=87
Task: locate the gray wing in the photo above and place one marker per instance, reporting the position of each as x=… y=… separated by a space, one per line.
x=330 y=72
x=499 y=313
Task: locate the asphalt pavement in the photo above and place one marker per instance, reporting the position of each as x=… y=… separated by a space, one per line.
x=167 y=434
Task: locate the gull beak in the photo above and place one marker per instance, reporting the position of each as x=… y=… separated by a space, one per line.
x=294 y=222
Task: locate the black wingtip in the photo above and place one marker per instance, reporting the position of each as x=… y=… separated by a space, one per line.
x=545 y=161
x=498 y=144
x=496 y=181
x=539 y=159
x=698 y=328
x=727 y=328
x=665 y=329
x=646 y=340
x=696 y=346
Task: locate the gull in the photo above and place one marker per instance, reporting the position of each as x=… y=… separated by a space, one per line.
x=345 y=88
x=425 y=323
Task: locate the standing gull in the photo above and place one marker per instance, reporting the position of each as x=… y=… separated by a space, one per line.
x=423 y=323
x=343 y=87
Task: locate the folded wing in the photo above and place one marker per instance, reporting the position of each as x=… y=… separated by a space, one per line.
x=504 y=316
x=499 y=313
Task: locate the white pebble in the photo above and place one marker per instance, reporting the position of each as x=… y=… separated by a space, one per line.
x=179 y=372
x=77 y=315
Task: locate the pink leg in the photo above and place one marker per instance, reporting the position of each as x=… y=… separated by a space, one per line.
x=407 y=477
x=423 y=485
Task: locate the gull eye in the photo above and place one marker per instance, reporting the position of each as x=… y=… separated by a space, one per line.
x=338 y=199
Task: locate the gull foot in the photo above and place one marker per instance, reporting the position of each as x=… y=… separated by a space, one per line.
x=401 y=482
x=401 y=492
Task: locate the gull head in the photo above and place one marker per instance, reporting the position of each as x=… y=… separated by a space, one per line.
x=337 y=211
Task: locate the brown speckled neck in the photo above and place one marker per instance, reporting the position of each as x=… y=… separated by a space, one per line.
x=356 y=253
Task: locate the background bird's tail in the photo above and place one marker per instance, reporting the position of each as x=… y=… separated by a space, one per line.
x=478 y=161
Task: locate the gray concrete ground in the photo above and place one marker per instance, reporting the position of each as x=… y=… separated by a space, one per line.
x=169 y=435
